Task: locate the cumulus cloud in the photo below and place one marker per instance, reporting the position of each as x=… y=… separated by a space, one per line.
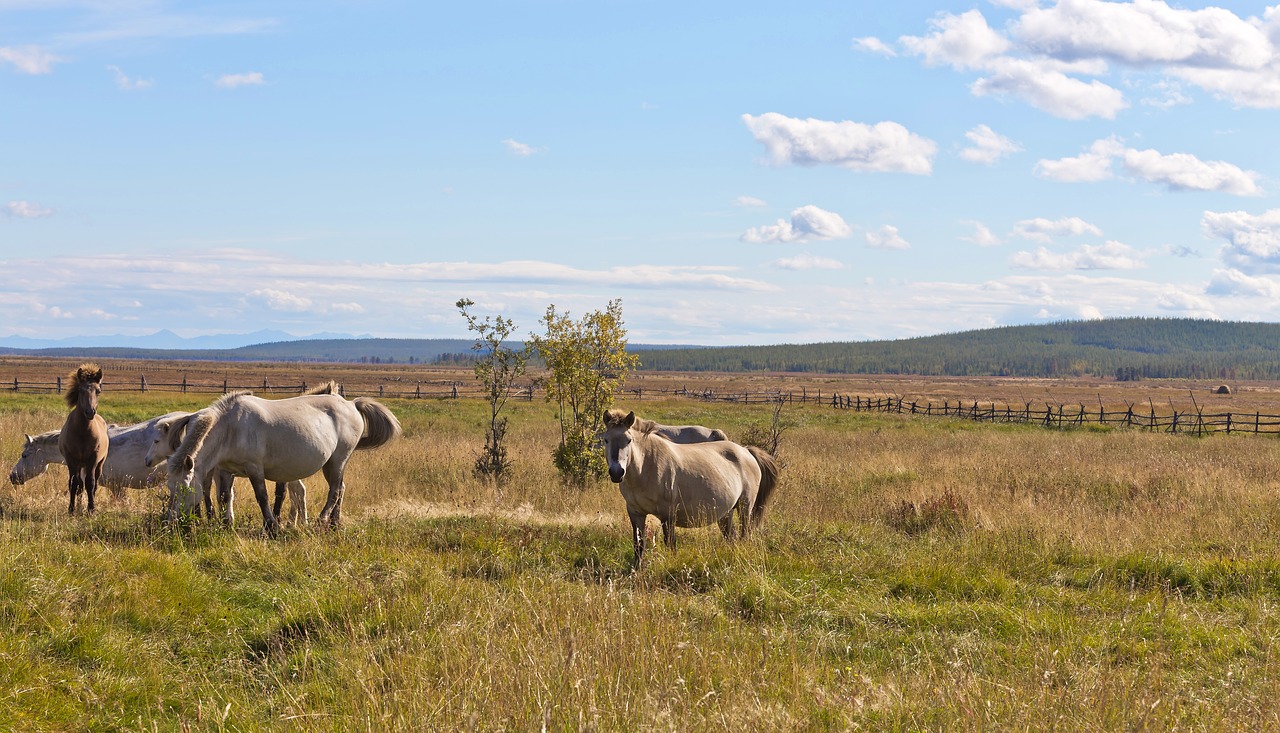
x=1055 y=57
x=981 y=236
x=886 y=237
x=1088 y=167
x=962 y=41
x=807 y=261
x=279 y=300
x=521 y=149
x=26 y=210
x=987 y=146
x=1235 y=284
x=1109 y=256
x=807 y=224
x=749 y=202
x=1176 y=171
x=29 y=59
x=1252 y=241
x=1186 y=172
x=124 y=83
x=235 y=81
x=872 y=44
x=1045 y=230
x=882 y=147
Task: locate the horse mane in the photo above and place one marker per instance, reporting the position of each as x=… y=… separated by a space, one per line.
x=201 y=423
x=329 y=387
x=84 y=374
x=614 y=416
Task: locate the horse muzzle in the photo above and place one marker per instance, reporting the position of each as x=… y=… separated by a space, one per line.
x=616 y=474
x=16 y=480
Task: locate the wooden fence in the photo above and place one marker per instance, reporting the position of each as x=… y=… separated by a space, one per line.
x=1194 y=421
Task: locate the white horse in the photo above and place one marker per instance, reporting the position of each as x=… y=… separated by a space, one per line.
x=685 y=485
x=126 y=465
x=681 y=433
x=276 y=440
x=167 y=436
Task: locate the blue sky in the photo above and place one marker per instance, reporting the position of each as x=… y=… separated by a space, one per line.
x=735 y=173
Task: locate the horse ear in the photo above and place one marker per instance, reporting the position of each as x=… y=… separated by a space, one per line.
x=175 y=431
x=29 y=439
x=188 y=463
x=630 y=419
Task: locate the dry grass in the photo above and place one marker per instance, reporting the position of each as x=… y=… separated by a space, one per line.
x=1080 y=579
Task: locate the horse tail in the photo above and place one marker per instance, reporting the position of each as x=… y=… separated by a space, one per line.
x=768 y=482
x=380 y=424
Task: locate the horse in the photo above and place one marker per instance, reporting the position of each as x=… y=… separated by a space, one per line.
x=167 y=437
x=125 y=467
x=673 y=433
x=83 y=441
x=276 y=440
x=685 y=484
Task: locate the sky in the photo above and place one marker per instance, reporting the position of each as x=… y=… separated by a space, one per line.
x=734 y=173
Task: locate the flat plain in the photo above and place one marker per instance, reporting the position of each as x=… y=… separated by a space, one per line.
x=914 y=573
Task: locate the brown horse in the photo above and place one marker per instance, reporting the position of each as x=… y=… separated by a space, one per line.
x=83 y=441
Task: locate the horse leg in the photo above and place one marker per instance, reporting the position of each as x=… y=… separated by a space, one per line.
x=744 y=516
x=726 y=526
x=279 y=504
x=226 y=498
x=74 y=483
x=669 y=533
x=269 y=523
x=91 y=486
x=637 y=536
x=333 y=471
x=298 y=503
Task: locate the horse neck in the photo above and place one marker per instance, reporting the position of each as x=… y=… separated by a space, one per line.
x=646 y=450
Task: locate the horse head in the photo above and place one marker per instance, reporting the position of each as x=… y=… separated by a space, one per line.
x=617 y=442
x=86 y=388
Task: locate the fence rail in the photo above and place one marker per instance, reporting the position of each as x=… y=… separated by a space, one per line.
x=1194 y=421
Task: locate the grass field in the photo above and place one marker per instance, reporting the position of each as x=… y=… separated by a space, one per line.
x=913 y=574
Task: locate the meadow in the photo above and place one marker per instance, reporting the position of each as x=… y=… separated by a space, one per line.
x=914 y=573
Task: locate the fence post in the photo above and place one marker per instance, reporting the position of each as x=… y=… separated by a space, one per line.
x=59 y=385
x=143 y=383
x=184 y=384
x=15 y=384
x=224 y=385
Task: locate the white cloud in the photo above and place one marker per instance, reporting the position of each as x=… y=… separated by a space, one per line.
x=279 y=300
x=235 y=81
x=807 y=224
x=1235 y=284
x=886 y=237
x=521 y=149
x=1144 y=33
x=872 y=44
x=29 y=59
x=807 y=262
x=882 y=147
x=1253 y=241
x=1088 y=167
x=981 y=236
x=347 y=308
x=988 y=146
x=26 y=210
x=1044 y=230
x=961 y=41
x=1170 y=95
x=1044 y=86
x=1188 y=304
x=1109 y=256
x=1186 y=172
x=124 y=83
x=748 y=202
x=1177 y=171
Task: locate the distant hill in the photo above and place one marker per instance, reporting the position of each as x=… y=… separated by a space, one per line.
x=1124 y=348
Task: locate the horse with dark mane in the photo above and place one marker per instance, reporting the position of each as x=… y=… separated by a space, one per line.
x=83 y=441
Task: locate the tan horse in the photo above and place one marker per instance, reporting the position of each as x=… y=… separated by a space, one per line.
x=83 y=441
x=685 y=485
x=673 y=433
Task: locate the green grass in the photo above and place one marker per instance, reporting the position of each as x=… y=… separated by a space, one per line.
x=1044 y=580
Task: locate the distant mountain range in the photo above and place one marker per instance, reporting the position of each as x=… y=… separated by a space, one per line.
x=1123 y=348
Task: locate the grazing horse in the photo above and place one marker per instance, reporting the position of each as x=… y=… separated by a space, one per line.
x=164 y=443
x=673 y=433
x=276 y=440
x=685 y=485
x=83 y=441
x=126 y=465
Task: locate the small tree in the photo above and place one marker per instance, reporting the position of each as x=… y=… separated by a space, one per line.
x=587 y=362
x=497 y=367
